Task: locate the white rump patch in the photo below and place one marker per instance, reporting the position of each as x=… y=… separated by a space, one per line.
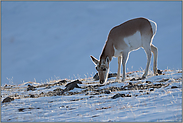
x=154 y=26
x=117 y=53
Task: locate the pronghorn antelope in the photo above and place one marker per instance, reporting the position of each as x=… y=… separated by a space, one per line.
x=124 y=38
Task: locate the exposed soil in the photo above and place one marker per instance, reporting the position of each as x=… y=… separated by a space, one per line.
x=144 y=87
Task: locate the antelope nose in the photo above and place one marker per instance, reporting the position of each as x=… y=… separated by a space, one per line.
x=101 y=81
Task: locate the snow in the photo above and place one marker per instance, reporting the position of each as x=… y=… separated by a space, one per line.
x=161 y=105
x=43 y=41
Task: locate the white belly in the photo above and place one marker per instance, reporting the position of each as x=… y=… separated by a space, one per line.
x=117 y=53
x=134 y=41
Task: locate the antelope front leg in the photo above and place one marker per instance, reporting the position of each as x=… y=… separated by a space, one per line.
x=125 y=58
x=119 y=68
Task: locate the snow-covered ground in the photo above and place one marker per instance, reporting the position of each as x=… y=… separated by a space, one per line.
x=162 y=102
x=43 y=41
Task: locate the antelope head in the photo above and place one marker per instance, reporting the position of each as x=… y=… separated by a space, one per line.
x=102 y=66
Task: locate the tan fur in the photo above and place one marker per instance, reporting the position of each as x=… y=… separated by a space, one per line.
x=124 y=30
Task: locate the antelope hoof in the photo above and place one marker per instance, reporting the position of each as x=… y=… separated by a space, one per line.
x=143 y=77
x=117 y=80
x=101 y=82
x=123 y=79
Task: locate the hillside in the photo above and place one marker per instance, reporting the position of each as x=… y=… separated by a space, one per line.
x=154 y=99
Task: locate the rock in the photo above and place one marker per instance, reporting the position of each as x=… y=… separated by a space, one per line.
x=96 y=93
x=76 y=81
x=61 y=82
x=180 y=71
x=50 y=101
x=91 y=96
x=58 y=89
x=43 y=85
x=128 y=95
x=32 y=96
x=72 y=85
x=159 y=71
x=163 y=80
x=133 y=79
x=118 y=95
x=22 y=109
x=7 y=86
x=48 y=87
x=30 y=87
x=107 y=92
x=140 y=78
x=95 y=116
x=152 y=89
x=130 y=84
x=96 y=77
x=7 y=99
x=112 y=75
x=149 y=82
x=62 y=106
x=25 y=96
x=59 y=93
x=103 y=108
x=8 y=119
x=75 y=100
x=158 y=85
x=174 y=87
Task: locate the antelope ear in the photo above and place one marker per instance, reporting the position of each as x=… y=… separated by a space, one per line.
x=94 y=60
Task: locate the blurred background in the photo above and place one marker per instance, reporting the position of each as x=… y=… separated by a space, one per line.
x=43 y=41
